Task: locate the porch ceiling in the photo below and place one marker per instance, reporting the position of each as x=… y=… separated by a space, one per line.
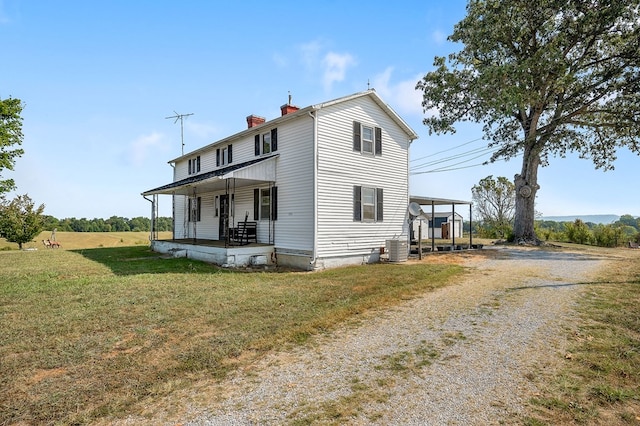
x=249 y=173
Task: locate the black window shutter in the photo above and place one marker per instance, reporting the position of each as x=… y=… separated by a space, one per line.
x=256 y=204
x=198 y=208
x=274 y=140
x=198 y=161
x=189 y=207
x=189 y=166
x=379 y=205
x=274 y=203
x=217 y=157
x=257 y=144
x=357 y=203
x=357 y=137
x=229 y=155
x=378 y=141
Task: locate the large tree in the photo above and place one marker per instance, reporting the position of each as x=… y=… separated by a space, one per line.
x=494 y=203
x=10 y=137
x=20 y=220
x=545 y=78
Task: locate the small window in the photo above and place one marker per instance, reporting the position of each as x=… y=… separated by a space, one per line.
x=368 y=204
x=195 y=209
x=266 y=143
x=223 y=156
x=367 y=139
x=265 y=203
x=194 y=165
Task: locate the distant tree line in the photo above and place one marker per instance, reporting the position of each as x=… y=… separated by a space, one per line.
x=619 y=233
x=113 y=224
x=622 y=231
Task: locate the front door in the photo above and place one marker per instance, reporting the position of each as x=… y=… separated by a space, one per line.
x=224 y=217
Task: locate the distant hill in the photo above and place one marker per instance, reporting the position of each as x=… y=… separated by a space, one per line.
x=604 y=219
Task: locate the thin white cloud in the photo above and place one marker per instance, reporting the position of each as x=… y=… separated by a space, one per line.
x=438 y=37
x=401 y=95
x=142 y=146
x=335 y=68
x=310 y=53
x=315 y=57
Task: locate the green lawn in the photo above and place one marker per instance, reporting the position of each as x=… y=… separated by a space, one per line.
x=88 y=333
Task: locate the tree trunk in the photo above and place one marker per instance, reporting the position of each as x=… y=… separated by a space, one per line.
x=526 y=184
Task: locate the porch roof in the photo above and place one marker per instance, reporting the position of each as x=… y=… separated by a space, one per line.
x=250 y=172
x=428 y=201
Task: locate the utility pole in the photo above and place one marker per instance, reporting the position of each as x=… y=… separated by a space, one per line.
x=180 y=117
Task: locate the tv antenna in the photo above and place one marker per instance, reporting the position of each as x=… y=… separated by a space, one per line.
x=180 y=117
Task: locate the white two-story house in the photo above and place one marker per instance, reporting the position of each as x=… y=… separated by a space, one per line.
x=318 y=187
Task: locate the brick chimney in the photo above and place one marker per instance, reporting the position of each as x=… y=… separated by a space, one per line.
x=288 y=109
x=254 y=120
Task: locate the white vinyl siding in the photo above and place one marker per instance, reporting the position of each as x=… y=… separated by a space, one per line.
x=342 y=167
x=294 y=226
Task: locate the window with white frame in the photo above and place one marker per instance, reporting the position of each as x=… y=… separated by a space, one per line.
x=194 y=165
x=195 y=209
x=224 y=156
x=368 y=204
x=265 y=203
x=367 y=139
x=266 y=143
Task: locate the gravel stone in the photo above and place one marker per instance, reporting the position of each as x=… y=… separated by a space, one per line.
x=460 y=355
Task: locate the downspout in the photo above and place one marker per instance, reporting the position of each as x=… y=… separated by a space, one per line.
x=409 y=223
x=314 y=255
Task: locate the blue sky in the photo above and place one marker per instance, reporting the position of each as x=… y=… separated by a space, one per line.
x=98 y=79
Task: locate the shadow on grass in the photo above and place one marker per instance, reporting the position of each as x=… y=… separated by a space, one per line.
x=136 y=260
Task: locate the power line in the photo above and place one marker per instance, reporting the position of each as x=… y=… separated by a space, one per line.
x=446 y=150
x=481 y=151
x=452 y=169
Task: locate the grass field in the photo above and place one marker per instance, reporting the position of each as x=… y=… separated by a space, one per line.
x=89 y=333
x=80 y=240
x=600 y=381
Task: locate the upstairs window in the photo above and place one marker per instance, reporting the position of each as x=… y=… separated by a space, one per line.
x=367 y=139
x=194 y=165
x=224 y=156
x=266 y=143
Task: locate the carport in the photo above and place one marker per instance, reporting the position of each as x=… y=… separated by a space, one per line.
x=432 y=203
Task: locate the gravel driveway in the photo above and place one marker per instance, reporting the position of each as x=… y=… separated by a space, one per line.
x=461 y=355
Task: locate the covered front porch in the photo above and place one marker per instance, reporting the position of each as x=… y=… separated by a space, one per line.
x=216 y=252
x=225 y=217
